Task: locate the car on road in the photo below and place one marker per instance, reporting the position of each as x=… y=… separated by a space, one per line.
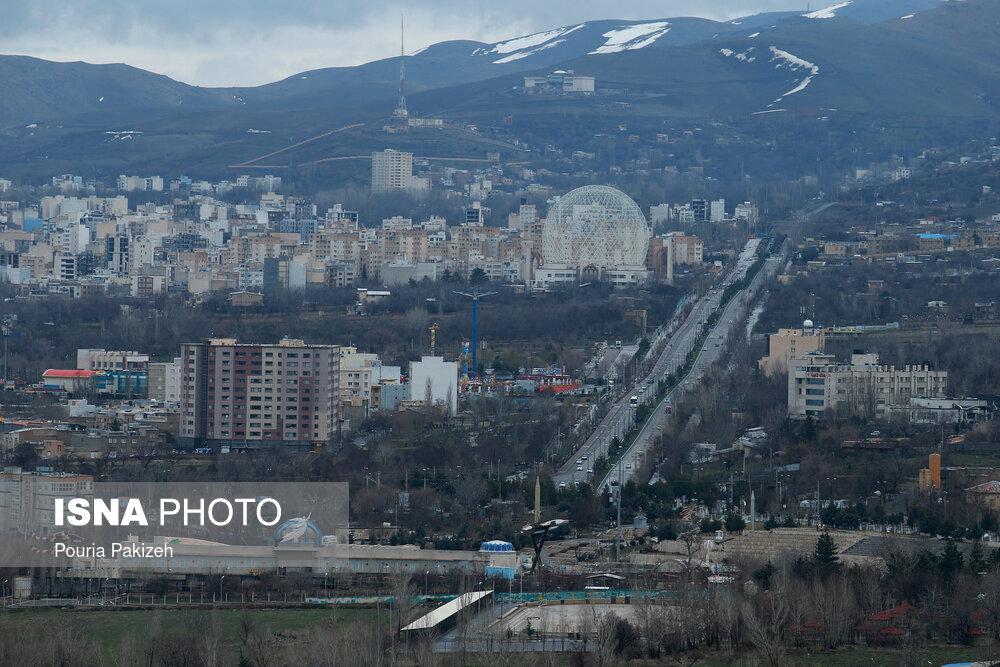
x=579 y=468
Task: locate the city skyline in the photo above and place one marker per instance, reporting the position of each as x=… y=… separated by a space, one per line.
x=253 y=44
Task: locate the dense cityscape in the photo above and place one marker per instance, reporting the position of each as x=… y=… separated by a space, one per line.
x=660 y=341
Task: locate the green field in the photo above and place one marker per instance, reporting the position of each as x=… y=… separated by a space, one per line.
x=856 y=656
x=108 y=631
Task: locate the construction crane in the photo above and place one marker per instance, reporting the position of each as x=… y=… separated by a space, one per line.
x=475 y=296
x=433 y=329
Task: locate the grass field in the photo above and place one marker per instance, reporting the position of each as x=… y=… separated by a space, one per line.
x=107 y=628
x=857 y=656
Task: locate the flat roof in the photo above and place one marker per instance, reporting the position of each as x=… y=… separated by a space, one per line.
x=446 y=611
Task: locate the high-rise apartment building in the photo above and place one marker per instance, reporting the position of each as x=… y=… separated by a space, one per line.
x=391 y=170
x=249 y=396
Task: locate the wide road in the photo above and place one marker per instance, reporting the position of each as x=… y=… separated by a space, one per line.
x=732 y=317
x=620 y=418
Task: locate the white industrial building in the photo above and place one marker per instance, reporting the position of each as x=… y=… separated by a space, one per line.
x=818 y=382
x=434 y=380
x=110 y=360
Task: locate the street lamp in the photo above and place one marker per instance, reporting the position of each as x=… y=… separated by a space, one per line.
x=426 y=572
x=221 y=580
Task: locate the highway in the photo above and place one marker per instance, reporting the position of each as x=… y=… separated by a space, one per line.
x=732 y=317
x=620 y=417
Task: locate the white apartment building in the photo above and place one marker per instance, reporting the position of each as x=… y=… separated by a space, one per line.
x=717 y=210
x=356 y=375
x=391 y=170
x=747 y=212
x=165 y=382
x=818 y=382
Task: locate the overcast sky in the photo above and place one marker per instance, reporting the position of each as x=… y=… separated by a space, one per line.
x=250 y=42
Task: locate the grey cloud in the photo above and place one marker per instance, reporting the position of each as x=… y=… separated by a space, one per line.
x=208 y=34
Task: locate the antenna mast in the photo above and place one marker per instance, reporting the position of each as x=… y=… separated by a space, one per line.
x=401 y=106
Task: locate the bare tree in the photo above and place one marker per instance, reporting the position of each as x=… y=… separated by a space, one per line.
x=692 y=545
x=863 y=395
x=834 y=609
x=255 y=645
x=605 y=637
x=764 y=616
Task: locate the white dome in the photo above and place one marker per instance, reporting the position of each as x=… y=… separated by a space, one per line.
x=808 y=324
x=595 y=226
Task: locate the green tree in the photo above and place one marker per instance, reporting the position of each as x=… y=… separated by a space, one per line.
x=977 y=558
x=763 y=575
x=950 y=561
x=735 y=523
x=826 y=551
x=993 y=561
x=710 y=525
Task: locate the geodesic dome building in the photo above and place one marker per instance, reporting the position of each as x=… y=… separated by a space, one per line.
x=599 y=232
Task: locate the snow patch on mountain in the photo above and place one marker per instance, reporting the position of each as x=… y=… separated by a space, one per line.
x=529 y=41
x=795 y=64
x=632 y=37
x=742 y=57
x=529 y=52
x=827 y=12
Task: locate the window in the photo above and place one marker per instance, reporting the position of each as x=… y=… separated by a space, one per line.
x=814 y=392
x=813 y=401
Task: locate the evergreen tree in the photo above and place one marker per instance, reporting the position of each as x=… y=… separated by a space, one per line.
x=977 y=558
x=950 y=561
x=734 y=522
x=826 y=551
x=993 y=561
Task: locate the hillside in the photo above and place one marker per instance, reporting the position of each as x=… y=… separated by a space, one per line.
x=821 y=67
x=37 y=90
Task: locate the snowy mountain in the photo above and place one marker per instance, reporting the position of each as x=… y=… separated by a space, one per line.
x=38 y=91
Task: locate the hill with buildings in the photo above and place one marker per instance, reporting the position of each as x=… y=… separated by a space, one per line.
x=831 y=65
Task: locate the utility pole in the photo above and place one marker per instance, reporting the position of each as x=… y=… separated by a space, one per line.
x=618 y=538
x=8 y=328
x=476 y=295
